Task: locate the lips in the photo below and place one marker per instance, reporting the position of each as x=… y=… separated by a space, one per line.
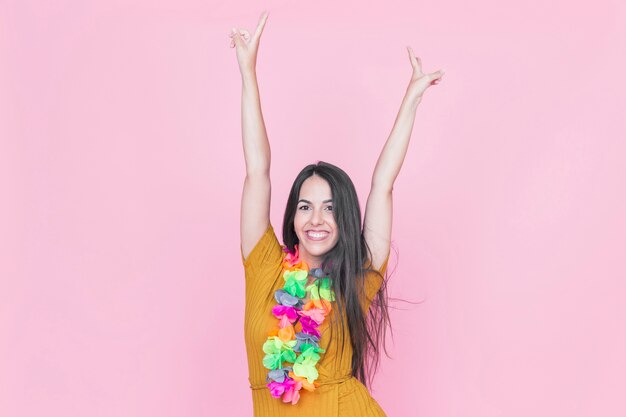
x=317 y=235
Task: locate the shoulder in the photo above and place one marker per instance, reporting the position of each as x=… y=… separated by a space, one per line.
x=263 y=268
x=374 y=278
x=266 y=250
x=372 y=268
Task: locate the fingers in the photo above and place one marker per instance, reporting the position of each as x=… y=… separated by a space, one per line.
x=245 y=33
x=411 y=56
x=414 y=60
x=235 y=38
x=232 y=38
x=435 y=77
x=237 y=35
x=261 y=25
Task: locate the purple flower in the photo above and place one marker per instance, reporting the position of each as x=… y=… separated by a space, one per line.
x=278 y=375
x=309 y=326
x=305 y=339
x=284 y=298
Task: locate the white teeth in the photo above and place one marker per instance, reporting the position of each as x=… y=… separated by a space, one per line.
x=317 y=235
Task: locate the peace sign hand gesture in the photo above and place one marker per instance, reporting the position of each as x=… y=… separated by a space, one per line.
x=247 y=47
x=420 y=81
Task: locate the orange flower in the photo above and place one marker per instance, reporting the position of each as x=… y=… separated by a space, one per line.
x=292 y=261
x=321 y=303
x=286 y=333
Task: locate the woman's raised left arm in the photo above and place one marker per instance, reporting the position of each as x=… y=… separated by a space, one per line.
x=379 y=209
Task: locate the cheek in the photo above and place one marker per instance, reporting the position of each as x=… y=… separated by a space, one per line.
x=297 y=222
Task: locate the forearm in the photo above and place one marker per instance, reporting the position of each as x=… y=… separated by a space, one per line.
x=393 y=153
x=256 y=147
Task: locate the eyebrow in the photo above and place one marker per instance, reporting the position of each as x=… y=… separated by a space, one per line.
x=308 y=202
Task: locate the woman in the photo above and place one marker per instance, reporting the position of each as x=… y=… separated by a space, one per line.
x=327 y=279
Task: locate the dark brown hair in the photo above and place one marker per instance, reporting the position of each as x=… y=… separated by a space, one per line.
x=348 y=263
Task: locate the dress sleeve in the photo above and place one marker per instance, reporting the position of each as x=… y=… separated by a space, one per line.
x=263 y=264
x=373 y=283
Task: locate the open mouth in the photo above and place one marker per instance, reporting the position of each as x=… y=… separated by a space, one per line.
x=317 y=236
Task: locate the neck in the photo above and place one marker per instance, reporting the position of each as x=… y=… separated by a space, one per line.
x=311 y=261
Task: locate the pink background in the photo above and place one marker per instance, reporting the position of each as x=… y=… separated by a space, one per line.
x=121 y=169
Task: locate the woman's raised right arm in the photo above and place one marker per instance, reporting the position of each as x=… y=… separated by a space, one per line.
x=255 y=201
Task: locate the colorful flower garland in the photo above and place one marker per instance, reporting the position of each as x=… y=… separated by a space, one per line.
x=284 y=345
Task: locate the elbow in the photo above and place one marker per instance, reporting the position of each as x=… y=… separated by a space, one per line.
x=258 y=169
x=382 y=187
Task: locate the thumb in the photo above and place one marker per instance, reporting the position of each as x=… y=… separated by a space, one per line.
x=436 y=75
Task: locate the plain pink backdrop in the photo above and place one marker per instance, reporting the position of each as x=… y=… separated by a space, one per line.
x=121 y=169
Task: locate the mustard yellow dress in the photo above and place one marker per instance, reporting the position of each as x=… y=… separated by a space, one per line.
x=338 y=393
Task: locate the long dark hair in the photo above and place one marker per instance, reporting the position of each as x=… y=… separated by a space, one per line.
x=346 y=264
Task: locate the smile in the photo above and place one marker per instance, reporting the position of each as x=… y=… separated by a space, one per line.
x=316 y=236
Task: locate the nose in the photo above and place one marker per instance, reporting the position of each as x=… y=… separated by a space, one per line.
x=316 y=217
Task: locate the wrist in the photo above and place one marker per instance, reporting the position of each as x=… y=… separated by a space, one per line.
x=412 y=99
x=248 y=76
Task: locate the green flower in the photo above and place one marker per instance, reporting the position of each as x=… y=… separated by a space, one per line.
x=326 y=289
x=278 y=352
x=309 y=352
x=314 y=292
x=305 y=369
x=322 y=290
x=295 y=282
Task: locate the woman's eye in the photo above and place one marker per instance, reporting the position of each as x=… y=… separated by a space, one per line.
x=303 y=207
x=329 y=208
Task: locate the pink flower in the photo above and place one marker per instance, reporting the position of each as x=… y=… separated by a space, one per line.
x=292 y=394
x=286 y=314
x=278 y=388
x=288 y=389
x=316 y=314
x=292 y=260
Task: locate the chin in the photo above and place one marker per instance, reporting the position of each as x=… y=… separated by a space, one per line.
x=316 y=250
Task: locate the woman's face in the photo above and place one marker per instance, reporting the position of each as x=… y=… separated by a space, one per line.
x=315 y=221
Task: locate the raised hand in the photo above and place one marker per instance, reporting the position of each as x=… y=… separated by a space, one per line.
x=420 y=81
x=247 y=47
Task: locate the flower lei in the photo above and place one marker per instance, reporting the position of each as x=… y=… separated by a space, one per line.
x=284 y=345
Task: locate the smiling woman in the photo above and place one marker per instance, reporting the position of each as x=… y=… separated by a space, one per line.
x=314 y=221
x=327 y=279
